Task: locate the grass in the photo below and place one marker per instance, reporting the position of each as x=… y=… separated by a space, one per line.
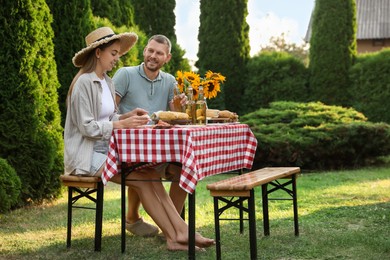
x=342 y=215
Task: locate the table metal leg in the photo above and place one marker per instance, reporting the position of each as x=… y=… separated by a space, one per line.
x=123 y=212
x=191 y=225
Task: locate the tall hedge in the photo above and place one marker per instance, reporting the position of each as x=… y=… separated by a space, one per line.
x=274 y=76
x=119 y=12
x=332 y=50
x=30 y=129
x=370 y=87
x=224 y=47
x=72 y=21
x=158 y=17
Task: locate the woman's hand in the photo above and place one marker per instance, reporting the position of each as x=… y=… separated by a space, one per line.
x=132 y=121
x=134 y=112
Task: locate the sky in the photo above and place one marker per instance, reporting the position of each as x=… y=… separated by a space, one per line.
x=266 y=18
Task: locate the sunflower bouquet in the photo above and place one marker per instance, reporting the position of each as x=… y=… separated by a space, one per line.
x=211 y=83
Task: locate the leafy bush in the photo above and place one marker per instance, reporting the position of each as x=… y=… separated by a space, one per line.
x=10 y=186
x=30 y=123
x=315 y=136
x=371 y=89
x=275 y=76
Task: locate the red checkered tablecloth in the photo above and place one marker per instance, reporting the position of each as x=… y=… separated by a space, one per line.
x=202 y=151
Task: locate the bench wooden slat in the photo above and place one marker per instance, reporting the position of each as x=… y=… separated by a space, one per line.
x=80 y=181
x=250 y=180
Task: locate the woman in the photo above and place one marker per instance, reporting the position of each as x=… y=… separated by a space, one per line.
x=91 y=117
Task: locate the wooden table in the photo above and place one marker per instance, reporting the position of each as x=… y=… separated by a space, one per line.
x=201 y=150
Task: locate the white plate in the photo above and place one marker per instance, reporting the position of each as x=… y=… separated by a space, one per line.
x=217 y=124
x=190 y=126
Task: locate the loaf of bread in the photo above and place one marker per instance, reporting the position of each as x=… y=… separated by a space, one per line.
x=228 y=114
x=213 y=113
x=169 y=116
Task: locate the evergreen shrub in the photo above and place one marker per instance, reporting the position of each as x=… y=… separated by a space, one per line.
x=274 y=76
x=315 y=136
x=370 y=90
x=10 y=186
x=30 y=123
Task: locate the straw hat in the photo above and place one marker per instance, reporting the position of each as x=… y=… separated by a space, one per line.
x=101 y=36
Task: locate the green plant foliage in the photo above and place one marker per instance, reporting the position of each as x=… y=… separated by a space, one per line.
x=332 y=50
x=315 y=136
x=72 y=21
x=224 y=48
x=10 y=186
x=119 y=12
x=274 y=76
x=370 y=89
x=30 y=129
x=153 y=19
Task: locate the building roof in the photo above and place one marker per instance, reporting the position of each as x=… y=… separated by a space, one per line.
x=373 y=20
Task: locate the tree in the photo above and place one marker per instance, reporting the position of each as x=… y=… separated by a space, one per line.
x=30 y=129
x=119 y=12
x=279 y=44
x=224 y=47
x=332 y=50
x=153 y=19
x=73 y=20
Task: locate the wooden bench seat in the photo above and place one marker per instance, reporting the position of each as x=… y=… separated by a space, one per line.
x=241 y=188
x=88 y=187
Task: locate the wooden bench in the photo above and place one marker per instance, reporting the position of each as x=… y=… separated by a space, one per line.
x=241 y=188
x=90 y=188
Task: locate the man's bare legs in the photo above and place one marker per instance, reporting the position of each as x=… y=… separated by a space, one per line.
x=177 y=194
x=133 y=204
x=159 y=206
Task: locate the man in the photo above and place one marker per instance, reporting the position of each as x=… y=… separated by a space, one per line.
x=146 y=86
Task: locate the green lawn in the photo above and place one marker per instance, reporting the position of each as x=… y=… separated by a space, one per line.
x=342 y=215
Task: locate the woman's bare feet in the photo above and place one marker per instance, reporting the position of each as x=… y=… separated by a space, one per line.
x=174 y=246
x=200 y=241
x=203 y=241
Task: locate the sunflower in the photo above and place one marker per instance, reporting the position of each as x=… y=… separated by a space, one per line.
x=211 y=83
x=192 y=77
x=184 y=79
x=211 y=88
x=180 y=81
x=215 y=76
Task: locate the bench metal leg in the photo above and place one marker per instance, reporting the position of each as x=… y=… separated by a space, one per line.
x=217 y=229
x=265 y=209
x=252 y=225
x=69 y=222
x=280 y=186
x=99 y=217
x=241 y=218
x=237 y=202
x=86 y=193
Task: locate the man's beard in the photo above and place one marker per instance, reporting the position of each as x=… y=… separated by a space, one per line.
x=154 y=68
